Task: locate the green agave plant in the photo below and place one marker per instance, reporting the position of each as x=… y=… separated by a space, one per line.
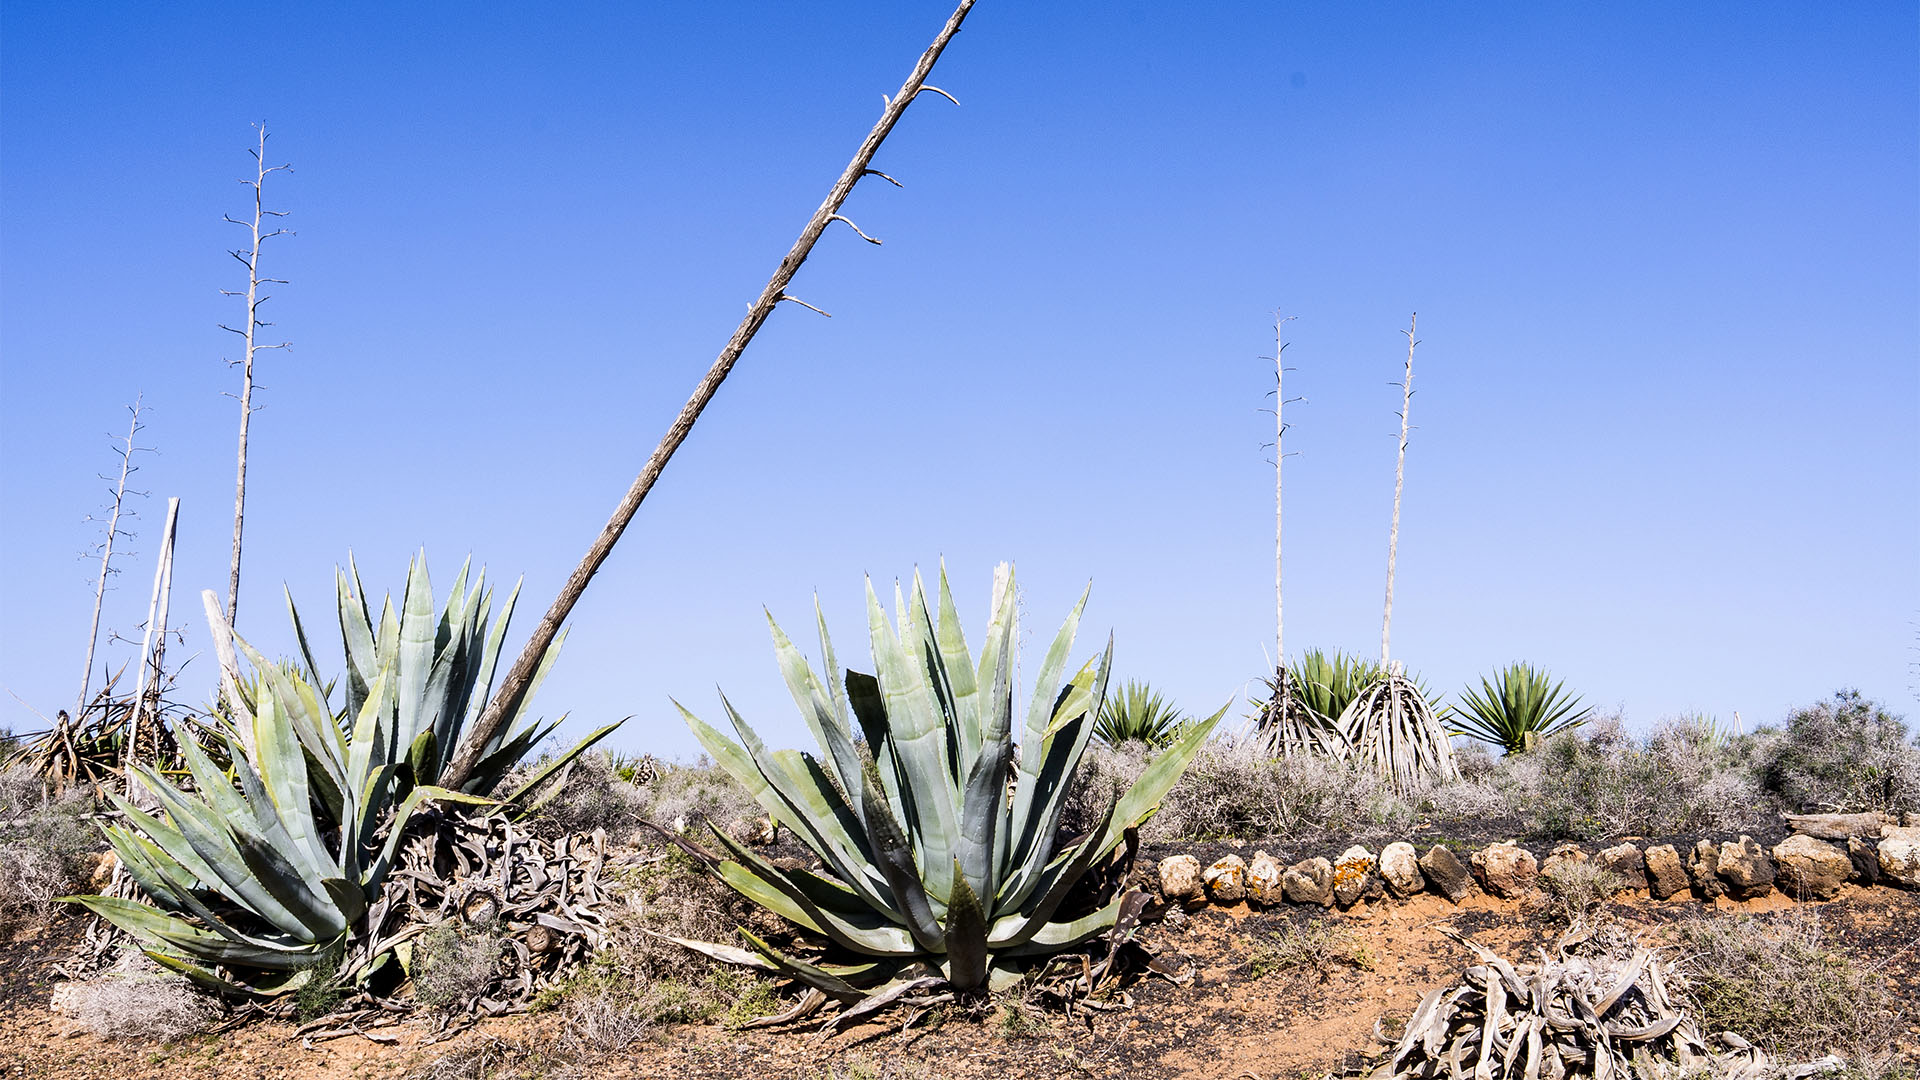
x=1515 y=709
x=939 y=841
x=264 y=875
x=1138 y=714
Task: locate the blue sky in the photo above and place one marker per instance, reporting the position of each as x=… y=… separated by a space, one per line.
x=1666 y=260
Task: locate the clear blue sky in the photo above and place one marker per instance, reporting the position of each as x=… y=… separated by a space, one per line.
x=1666 y=260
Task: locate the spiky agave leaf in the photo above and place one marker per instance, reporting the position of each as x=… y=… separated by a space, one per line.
x=1520 y=705
x=928 y=861
x=1139 y=713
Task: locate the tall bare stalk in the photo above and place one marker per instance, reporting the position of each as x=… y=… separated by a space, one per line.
x=250 y=258
x=514 y=686
x=1399 y=482
x=126 y=450
x=153 y=649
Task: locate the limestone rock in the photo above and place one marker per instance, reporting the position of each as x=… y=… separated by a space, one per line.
x=1562 y=855
x=1666 y=874
x=1900 y=854
x=1625 y=862
x=1446 y=873
x=1180 y=879
x=1837 y=826
x=1264 y=876
x=1505 y=870
x=1865 y=855
x=1704 y=869
x=1309 y=882
x=1746 y=868
x=1400 y=869
x=1352 y=873
x=1227 y=880
x=1811 y=869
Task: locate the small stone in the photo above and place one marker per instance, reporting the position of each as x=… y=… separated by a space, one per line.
x=1746 y=868
x=1865 y=855
x=1625 y=862
x=1505 y=870
x=1400 y=869
x=1811 y=869
x=1352 y=874
x=1563 y=855
x=1180 y=879
x=1446 y=873
x=104 y=865
x=1309 y=881
x=1227 y=880
x=1264 y=875
x=1666 y=874
x=1900 y=854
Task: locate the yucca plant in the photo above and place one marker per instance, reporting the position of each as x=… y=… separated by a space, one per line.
x=263 y=876
x=1319 y=688
x=935 y=872
x=1395 y=733
x=1138 y=714
x=1518 y=707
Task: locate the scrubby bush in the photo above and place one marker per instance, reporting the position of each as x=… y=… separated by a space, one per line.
x=46 y=844
x=680 y=796
x=1846 y=754
x=136 y=1000
x=1605 y=784
x=1774 y=981
x=591 y=795
x=452 y=967
x=1236 y=787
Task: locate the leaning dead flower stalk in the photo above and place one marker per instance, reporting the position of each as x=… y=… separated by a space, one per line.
x=1399 y=483
x=250 y=258
x=127 y=468
x=520 y=676
x=153 y=649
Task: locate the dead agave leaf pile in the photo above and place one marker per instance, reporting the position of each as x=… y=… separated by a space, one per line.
x=1607 y=1017
x=544 y=900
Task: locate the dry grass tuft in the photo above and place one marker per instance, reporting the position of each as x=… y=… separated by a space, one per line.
x=136 y=1000
x=1774 y=981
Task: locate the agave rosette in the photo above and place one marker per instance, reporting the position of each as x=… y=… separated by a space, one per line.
x=938 y=842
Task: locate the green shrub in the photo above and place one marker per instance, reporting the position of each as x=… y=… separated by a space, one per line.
x=1846 y=754
x=1605 y=785
x=46 y=844
x=452 y=967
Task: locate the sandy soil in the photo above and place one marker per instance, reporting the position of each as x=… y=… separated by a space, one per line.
x=1229 y=1022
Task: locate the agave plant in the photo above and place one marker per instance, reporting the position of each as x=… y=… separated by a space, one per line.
x=1518 y=707
x=261 y=877
x=1138 y=714
x=1306 y=717
x=1395 y=733
x=942 y=864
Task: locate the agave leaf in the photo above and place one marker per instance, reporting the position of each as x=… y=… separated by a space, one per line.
x=962 y=683
x=210 y=844
x=726 y=954
x=810 y=974
x=986 y=790
x=356 y=631
x=771 y=889
x=966 y=936
x=818 y=710
x=896 y=862
x=1055 y=936
x=920 y=747
x=416 y=643
x=178 y=935
x=1047 y=888
x=490 y=656
x=1143 y=798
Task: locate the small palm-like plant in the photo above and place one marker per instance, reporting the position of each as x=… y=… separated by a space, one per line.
x=942 y=860
x=1515 y=709
x=266 y=875
x=1138 y=713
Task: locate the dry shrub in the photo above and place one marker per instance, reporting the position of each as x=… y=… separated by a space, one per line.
x=1580 y=886
x=136 y=1000
x=1774 y=981
x=45 y=847
x=684 y=795
x=1317 y=945
x=452 y=967
x=591 y=795
x=1847 y=755
x=1599 y=783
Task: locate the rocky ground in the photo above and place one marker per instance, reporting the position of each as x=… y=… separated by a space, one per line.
x=1286 y=991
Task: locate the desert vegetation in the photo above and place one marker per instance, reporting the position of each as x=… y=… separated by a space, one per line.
x=398 y=846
